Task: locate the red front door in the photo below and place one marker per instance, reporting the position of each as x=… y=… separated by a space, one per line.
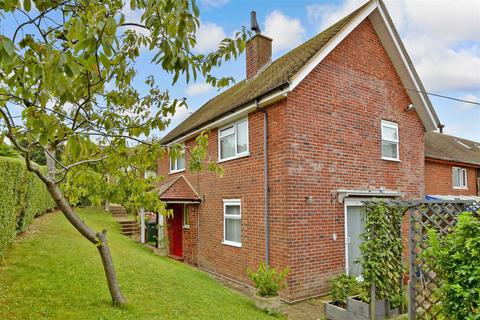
x=175 y=224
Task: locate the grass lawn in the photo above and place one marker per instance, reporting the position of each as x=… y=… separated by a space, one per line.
x=54 y=273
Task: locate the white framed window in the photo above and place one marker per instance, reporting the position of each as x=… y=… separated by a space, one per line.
x=232 y=222
x=177 y=164
x=233 y=140
x=459 y=178
x=390 y=141
x=186 y=217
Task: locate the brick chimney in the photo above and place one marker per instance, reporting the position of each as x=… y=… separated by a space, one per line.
x=258 y=50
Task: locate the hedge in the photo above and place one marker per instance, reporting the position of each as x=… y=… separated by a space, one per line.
x=23 y=196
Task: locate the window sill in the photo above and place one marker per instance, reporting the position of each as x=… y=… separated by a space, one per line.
x=391 y=159
x=186 y=227
x=176 y=171
x=232 y=244
x=460 y=188
x=243 y=155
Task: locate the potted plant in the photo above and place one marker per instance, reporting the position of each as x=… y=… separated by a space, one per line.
x=268 y=281
x=343 y=286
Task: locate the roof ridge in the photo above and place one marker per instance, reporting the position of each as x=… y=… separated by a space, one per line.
x=452 y=136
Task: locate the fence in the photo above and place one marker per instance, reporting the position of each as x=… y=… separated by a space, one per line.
x=440 y=216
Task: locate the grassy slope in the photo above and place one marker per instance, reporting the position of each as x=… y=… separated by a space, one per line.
x=54 y=273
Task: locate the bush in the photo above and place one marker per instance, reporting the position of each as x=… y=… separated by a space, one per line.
x=343 y=286
x=455 y=259
x=7 y=151
x=22 y=197
x=268 y=281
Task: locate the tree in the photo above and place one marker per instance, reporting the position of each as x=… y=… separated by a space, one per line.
x=69 y=66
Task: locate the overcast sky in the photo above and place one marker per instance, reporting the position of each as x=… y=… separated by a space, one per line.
x=441 y=36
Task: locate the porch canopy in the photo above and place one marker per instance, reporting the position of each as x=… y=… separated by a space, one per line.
x=178 y=190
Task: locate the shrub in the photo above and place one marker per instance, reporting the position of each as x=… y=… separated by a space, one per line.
x=268 y=281
x=343 y=286
x=22 y=197
x=455 y=259
x=7 y=151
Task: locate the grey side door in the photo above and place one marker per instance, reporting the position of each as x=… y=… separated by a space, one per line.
x=355 y=227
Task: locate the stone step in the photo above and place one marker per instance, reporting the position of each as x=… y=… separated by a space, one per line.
x=127 y=222
x=130 y=229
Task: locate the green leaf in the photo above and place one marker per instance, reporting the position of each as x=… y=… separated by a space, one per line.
x=8 y=46
x=27 y=5
x=43 y=139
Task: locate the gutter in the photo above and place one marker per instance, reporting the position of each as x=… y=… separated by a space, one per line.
x=265 y=186
x=280 y=90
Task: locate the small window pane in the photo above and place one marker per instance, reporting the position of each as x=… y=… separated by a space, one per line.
x=233 y=230
x=227 y=147
x=181 y=162
x=232 y=210
x=389 y=150
x=389 y=133
x=186 y=221
x=459 y=178
x=242 y=137
x=172 y=164
x=226 y=132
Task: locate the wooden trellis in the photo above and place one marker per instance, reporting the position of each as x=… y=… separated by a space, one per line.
x=439 y=215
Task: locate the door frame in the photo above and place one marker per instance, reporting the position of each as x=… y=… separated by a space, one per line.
x=350 y=202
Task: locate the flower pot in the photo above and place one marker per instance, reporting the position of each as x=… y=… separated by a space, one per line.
x=267 y=303
x=334 y=312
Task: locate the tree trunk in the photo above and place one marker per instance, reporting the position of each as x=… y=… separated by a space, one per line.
x=98 y=239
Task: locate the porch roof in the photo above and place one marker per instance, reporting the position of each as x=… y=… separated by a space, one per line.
x=178 y=189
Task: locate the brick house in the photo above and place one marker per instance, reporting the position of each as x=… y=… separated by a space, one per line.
x=452 y=166
x=302 y=140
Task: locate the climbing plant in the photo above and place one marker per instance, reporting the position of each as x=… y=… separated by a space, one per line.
x=381 y=252
x=455 y=260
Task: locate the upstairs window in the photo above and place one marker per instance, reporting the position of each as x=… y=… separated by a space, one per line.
x=232 y=222
x=390 y=141
x=233 y=140
x=177 y=164
x=459 y=178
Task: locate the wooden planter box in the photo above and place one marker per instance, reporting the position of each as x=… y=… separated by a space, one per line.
x=359 y=310
x=334 y=312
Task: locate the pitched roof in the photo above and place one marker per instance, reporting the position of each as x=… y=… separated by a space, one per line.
x=283 y=74
x=178 y=189
x=449 y=148
x=278 y=73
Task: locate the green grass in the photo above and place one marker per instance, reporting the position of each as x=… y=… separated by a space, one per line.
x=54 y=273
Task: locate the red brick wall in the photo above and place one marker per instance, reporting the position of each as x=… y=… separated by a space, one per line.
x=439 y=178
x=325 y=136
x=243 y=179
x=334 y=142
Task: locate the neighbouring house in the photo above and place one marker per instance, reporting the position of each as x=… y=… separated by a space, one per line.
x=452 y=166
x=302 y=140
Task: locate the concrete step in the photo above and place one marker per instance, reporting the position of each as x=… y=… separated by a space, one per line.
x=125 y=222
